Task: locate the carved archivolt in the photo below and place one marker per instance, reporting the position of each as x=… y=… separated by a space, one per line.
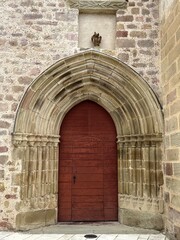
x=94 y=76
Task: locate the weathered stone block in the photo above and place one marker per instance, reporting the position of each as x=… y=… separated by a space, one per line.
x=51 y=23
x=121 y=33
x=144 y=52
x=2 y=41
x=4 y=124
x=166 y=197
x=6 y=225
x=153 y=34
x=34 y=219
x=141 y=219
x=169 y=45
x=131 y=26
x=171 y=96
x=146 y=43
x=174 y=214
x=175 y=139
x=173 y=185
x=168 y=169
x=17 y=89
x=172 y=154
x=1 y=174
x=175 y=200
x=176 y=167
x=16 y=179
x=3 y=159
x=131 y=4
x=145 y=11
x=32 y=16
x=174 y=53
x=3 y=107
x=135 y=10
x=3 y=149
x=138 y=34
x=123 y=57
x=172 y=124
x=171 y=71
x=174 y=81
x=127 y=18
x=2 y=188
x=120 y=26
x=10 y=196
x=173 y=28
x=126 y=43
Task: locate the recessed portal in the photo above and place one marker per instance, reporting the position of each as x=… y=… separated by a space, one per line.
x=88 y=165
x=137 y=116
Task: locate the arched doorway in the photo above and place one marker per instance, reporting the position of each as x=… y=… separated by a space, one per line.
x=88 y=188
x=136 y=113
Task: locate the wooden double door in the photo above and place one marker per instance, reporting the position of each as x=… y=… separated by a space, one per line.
x=88 y=165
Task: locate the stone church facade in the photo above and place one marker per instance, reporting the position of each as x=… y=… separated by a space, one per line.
x=49 y=65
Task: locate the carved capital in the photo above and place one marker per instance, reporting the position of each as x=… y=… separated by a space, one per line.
x=141 y=139
x=20 y=140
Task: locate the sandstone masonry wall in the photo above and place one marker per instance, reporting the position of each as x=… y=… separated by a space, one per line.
x=137 y=39
x=170 y=78
x=35 y=34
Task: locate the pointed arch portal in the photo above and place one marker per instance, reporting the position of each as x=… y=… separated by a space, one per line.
x=137 y=117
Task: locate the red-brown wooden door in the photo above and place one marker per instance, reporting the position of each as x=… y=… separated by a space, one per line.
x=88 y=165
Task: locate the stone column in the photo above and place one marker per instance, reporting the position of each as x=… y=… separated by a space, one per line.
x=125 y=168
x=152 y=163
x=39 y=165
x=139 y=172
x=120 y=167
x=132 y=171
x=38 y=182
x=146 y=164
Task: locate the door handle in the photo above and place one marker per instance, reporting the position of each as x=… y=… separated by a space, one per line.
x=74 y=179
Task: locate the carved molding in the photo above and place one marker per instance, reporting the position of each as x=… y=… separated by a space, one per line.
x=98 y=5
x=140 y=138
x=19 y=139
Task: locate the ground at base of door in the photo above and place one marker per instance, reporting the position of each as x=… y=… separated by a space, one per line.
x=51 y=236
x=78 y=231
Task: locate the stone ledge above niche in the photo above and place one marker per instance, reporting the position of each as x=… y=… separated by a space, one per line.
x=98 y=5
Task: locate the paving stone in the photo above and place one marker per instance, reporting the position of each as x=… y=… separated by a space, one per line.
x=78 y=237
x=107 y=237
x=55 y=236
x=66 y=237
x=34 y=237
x=127 y=237
x=17 y=236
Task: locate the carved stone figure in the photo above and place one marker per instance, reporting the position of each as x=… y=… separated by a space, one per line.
x=96 y=39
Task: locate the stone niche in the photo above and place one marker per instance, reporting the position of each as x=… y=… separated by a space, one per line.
x=100 y=17
x=104 y=24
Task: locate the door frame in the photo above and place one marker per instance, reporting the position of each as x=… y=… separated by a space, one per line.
x=110 y=122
